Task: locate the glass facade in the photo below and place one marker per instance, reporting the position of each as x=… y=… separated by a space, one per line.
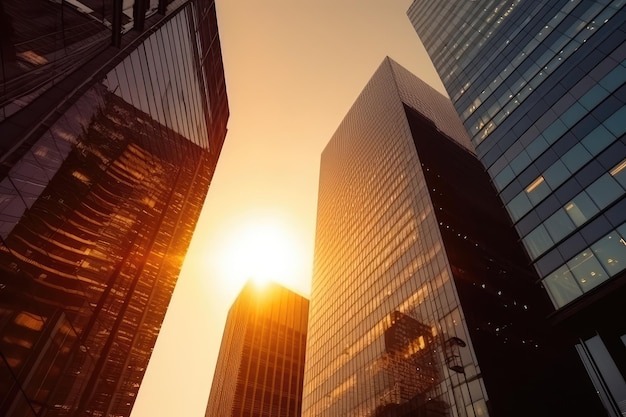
x=416 y=307
x=103 y=176
x=260 y=365
x=540 y=87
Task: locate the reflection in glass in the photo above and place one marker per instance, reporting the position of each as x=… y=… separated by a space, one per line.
x=611 y=252
x=562 y=286
x=587 y=270
x=97 y=210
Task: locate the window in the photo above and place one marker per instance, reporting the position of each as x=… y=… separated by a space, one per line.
x=576 y=157
x=559 y=225
x=611 y=252
x=538 y=241
x=619 y=173
x=519 y=206
x=604 y=190
x=537 y=190
x=581 y=209
x=587 y=270
x=556 y=174
x=597 y=140
x=562 y=286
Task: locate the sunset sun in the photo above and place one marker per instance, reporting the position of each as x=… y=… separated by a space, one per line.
x=261 y=250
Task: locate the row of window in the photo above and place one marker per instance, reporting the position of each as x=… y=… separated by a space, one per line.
x=578 y=211
x=589 y=268
x=538 y=72
x=562 y=169
x=595 y=141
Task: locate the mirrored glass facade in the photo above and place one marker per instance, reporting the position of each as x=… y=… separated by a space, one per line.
x=418 y=308
x=102 y=180
x=260 y=366
x=540 y=87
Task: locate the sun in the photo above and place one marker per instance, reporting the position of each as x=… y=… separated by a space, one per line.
x=261 y=250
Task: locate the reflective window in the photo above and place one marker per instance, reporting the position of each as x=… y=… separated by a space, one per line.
x=559 y=225
x=556 y=174
x=538 y=241
x=587 y=270
x=562 y=286
x=576 y=157
x=581 y=209
x=598 y=140
x=536 y=147
x=619 y=173
x=537 y=190
x=519 y=206
x=520 y=162
x=604 y=190
x=504 y=177
x=611 y=252
x=616 y=123
x=593 y=97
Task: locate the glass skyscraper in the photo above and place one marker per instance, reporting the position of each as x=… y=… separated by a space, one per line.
x=260 y=366
x=540 y=87
x=422 y=300
x=111 y=124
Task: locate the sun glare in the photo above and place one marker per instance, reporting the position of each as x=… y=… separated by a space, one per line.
x=262 y=251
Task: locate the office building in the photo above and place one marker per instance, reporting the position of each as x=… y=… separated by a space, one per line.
x=111 y=125
x=422 y=301
x=540 y=88
x=260 y=365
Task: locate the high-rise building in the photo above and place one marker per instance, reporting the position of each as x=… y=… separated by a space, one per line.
x=260 y=366
x=540 y=87
x=422 y=300
x=111 y=125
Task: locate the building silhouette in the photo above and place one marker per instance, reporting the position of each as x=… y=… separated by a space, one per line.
x=422 y=301
x=260 y=366
x=111 y=125
x=540 y=87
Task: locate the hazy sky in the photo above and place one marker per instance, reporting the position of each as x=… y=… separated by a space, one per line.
x=293 y=69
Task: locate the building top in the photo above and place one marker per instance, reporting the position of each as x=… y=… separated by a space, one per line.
x=414 y=93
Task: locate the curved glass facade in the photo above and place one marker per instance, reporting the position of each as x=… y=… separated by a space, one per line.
x=98 y=203
x=541 y=88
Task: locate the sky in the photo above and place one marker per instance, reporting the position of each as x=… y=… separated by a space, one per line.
x=293 y=69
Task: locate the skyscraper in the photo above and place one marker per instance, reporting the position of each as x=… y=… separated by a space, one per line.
x=540 y=88
x=260 y=366
x=422 y=302
x=107 y=152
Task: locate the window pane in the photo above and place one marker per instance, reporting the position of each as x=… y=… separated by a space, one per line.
x=504 y=177
x=520 y=162
x=538 y=241
x=559 y=225
x=519 y=206
x=604 y=190
x=537 y=190
x=611 y=252
x=581 y=209
x=576 y=157
x=593 y=97
x=554 y=131
x=598 y=139
x=587 y=270
x=573 y=114
x=562 y=286
x=622 y=231
x=619 y=173
x=615 y=123
x=556 y=174
x=537 y=147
